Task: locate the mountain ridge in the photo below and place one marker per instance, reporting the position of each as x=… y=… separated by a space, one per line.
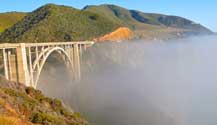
x=149 y=18
x=53 y=22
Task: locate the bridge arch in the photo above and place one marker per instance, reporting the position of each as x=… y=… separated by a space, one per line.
x=40 y=56
x=19 y=66
x=44 y=56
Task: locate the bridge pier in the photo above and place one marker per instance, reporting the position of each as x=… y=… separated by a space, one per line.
x=13 y=68
x=30 y=67
x=5 y=61
x=76 y=62
x=23 y=72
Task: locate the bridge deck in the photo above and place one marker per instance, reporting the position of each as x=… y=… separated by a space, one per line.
x=15 y=45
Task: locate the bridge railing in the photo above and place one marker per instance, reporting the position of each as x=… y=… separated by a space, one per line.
x=15 y=45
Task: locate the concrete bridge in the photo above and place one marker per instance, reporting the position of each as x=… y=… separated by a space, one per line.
x=23 y=62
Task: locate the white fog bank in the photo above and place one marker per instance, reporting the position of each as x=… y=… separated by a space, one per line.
x=144 y=83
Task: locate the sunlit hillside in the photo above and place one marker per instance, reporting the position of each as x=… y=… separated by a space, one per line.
x=9 y=19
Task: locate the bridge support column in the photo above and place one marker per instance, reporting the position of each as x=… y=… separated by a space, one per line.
x=23 y=73
x=76 y=60
x=69 y=51
x=5 y=59
x=9 y=65
x=12 y=67
x=30 y=67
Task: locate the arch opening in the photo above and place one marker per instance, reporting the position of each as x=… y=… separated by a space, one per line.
x=44 y=58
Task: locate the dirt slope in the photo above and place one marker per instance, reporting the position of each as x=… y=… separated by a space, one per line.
x=122 y=33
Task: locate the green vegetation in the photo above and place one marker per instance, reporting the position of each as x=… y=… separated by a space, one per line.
x=43 y=118
x=139 y=21
x=19 y=104
x=111 y=12
x=58 y=23
x=9 y=19
x=52 y=23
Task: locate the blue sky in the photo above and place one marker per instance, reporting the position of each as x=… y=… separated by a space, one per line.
x=200 y=11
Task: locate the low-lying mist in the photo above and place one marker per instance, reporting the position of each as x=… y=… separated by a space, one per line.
x=142 y=83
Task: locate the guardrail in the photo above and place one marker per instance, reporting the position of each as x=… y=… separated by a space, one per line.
x=15 y=45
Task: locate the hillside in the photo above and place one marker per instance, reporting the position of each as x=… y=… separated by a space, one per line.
x=52 y=23
x=9 y=19
x=21 y=105
x=58 y=23
x=149 y=25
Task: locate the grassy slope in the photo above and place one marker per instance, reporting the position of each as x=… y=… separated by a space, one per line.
x=9 y=19
x=21 y=105
x=169 y=21
x=61 y=23
x=115 y=13
x=124 y=16
x=58 y=23
x=134 y=18
x=148 y=25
